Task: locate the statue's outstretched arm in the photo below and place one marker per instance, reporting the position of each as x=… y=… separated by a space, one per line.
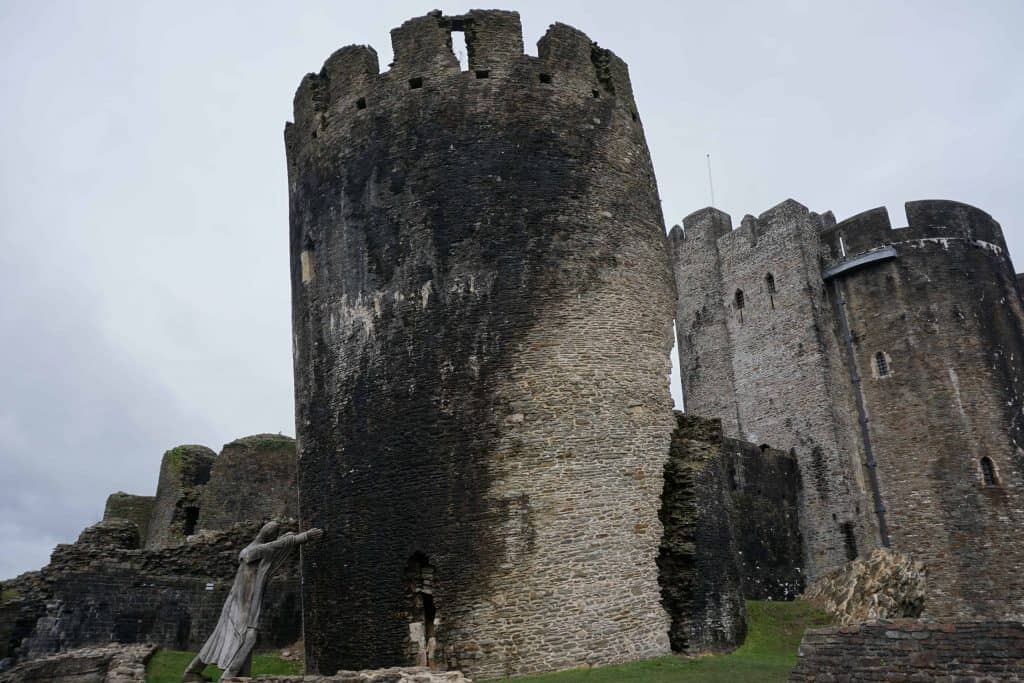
x=285 y=541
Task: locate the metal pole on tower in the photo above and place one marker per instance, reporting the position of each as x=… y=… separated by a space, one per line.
x=711 y=185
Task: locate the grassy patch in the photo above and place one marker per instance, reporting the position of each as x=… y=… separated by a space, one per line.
x=8 y=594
x=768 y=654
x=166 y=666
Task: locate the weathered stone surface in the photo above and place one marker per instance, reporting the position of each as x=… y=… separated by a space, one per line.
x=138 y=509
x=95 y=594
x=22 y=602
x=183 y=473
x=910 y=650
x=105 y=664
x=885 y=585
x=765 y=489
x=948 y=318
x=111 y=533
x=482 y=310
x=253 y=478
x=390 y=675
x=699 y=571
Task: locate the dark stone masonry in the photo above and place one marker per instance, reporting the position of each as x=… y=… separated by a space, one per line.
x=699 y=570
x=910 y=650
x=482 y=313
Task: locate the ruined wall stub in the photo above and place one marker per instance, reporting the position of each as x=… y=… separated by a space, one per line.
x=138 y=509
x=758 y=350
x=944 y=403
x=699 y=564
x=184 y=471
x=482 y=307
x=252 y=479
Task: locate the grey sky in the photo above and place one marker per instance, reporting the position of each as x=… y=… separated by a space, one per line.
x=143 y=205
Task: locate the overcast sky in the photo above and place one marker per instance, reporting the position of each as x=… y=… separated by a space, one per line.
x=143 y=204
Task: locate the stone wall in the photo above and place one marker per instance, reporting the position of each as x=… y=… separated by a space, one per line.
x=944 y=313
x=908 y=650
x=482 y=315
x=765 y=491
x=700 y=577
x=183 y=472
x=137 y=509
x=253 y=478
x=105 y=664
x=22 y=602
x=97 y=592
x=757 y=349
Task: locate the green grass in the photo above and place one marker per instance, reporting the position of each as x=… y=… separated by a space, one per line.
x=8 y=594
x=769 y=653
x=166 y=666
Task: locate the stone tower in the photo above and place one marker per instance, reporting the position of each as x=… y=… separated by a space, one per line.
x=757 y=349
x=889 y=362
x=482 y=310
x=936 y=343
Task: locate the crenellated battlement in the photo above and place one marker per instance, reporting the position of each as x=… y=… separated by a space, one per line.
x=929 y=219
x=710 y=226
x=351 y=83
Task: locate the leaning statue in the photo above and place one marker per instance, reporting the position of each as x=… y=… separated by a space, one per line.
x=231 y=643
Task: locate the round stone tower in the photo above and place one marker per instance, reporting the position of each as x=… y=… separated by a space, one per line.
x=482 y=311
x=936 y=336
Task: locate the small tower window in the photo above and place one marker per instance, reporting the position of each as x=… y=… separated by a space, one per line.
x=988 y=472
x=882 y=364
x=740 y=301
x=306 y=265
x=769 y=282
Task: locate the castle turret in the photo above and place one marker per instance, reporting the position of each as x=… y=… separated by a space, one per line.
x=936 y=332
x=482 y=308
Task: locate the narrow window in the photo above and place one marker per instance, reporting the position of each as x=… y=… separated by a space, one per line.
x=988 y=471
x=733 y=484
x=191 y=519
x=306 y=262
x=361 y=103
x=483 y=73
x=769 y=281
x=882 y=364
x=849 y=540
x=740 y=300
x=595 y=93
x=415 y=83
x=842 y=247
x=544 y=78
x=460 y=46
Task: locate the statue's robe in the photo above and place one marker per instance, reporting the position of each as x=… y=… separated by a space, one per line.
x=241 y=611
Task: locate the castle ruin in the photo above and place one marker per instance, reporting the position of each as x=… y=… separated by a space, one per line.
x=483 y=298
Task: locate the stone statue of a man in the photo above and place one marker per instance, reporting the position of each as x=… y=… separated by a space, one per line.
x=231 y=643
